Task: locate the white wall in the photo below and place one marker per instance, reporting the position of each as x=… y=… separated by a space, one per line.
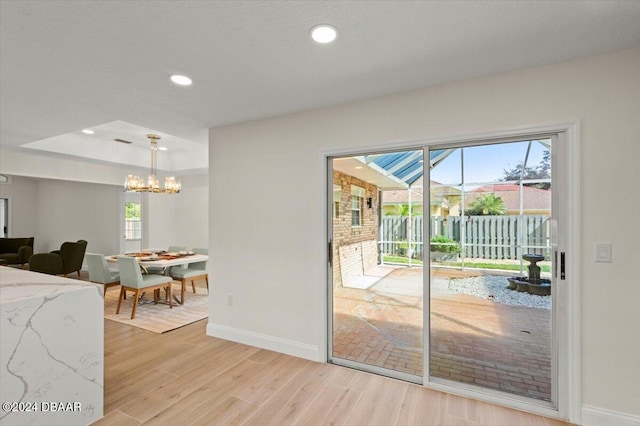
x=177 y=219
x=22 y=195
x=270 y=257
x=180 y=219
x=40 y=165
x=160 y=216
x=70 y=211
x=192 y=212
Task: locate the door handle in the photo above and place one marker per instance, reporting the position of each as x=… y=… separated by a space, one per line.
x=562 y=266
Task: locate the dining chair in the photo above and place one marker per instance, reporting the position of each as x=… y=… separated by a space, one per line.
x=194 y=271
x=132 y=279
x=157 y=270
x=176 y=249
x=100 y=273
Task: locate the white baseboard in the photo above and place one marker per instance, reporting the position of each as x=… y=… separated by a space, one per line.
x=594 y=416
x=263 y=341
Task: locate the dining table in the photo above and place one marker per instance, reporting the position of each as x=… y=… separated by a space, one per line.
x=161 y=260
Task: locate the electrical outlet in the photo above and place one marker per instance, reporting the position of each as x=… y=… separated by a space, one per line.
x=229 y=299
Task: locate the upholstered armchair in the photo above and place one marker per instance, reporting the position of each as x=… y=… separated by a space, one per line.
x=16 y=251
x=64 y=261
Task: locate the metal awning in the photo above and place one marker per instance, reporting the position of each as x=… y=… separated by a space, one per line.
x=405 y=166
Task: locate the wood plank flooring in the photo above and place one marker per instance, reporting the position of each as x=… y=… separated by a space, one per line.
x=187 y=378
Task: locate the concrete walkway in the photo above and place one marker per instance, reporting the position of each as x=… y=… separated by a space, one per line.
x=473 y=340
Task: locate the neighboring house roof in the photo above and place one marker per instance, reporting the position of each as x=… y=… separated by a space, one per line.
x=402 y=196
x=533 y=198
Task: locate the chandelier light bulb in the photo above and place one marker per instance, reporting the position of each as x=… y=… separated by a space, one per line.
x=136 y=184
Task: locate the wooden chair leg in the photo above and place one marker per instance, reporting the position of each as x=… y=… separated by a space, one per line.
x=193 y=285
x=170 y=287
x=206 y=277
x=183 y=284
x=135 y=304
x=156 y=296
x=122 y=291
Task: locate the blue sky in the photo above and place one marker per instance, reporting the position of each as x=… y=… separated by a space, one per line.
x=485 y=163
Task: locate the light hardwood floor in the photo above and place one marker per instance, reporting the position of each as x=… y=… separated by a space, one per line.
x=186 y=378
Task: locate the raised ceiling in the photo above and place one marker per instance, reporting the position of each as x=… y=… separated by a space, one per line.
x=69 y=65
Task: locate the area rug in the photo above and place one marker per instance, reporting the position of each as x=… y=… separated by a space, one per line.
x=159 y=318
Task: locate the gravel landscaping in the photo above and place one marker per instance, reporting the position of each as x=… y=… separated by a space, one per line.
x=494 y=288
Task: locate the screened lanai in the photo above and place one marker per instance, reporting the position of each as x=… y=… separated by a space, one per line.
x=470 y=216
x=458 y=181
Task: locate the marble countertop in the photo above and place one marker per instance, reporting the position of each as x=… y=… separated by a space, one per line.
x=52 y=349
x=19 y=284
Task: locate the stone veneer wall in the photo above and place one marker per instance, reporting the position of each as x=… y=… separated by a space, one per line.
x=358 y=244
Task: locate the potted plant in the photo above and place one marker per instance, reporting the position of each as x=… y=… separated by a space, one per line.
x=401 y=247
x=444 y=249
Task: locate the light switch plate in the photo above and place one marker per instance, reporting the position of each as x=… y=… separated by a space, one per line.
x=603 y=252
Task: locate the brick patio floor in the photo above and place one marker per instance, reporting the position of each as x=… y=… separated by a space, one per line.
x=473 y=340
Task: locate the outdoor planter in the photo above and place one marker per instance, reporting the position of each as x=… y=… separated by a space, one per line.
x=442 y=256
x=444 y=249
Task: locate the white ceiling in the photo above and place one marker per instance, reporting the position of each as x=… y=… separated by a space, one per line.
x=175 y=154
x=69 y=65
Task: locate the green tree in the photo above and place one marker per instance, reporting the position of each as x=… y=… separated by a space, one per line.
x=403 y=210
x=132 y=210
x=541 y=171
x=486 y=205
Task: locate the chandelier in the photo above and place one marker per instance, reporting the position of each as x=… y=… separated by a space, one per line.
x=137 y=184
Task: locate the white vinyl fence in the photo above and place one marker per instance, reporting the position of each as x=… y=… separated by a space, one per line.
x=483 y=237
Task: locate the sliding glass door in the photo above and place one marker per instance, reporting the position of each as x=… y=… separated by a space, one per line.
x=376 y=249
x=490 y=268
x=447 y=275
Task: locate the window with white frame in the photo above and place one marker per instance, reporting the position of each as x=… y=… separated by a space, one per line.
x=132 y=221
x=357 y=198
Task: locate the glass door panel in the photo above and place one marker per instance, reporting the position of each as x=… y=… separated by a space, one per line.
x=490 y=315
x=376 y=233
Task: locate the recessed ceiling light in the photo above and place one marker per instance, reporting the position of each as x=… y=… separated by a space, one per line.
x=181 y=80
x=358 y=167
x=88 y=131
x=163 y=148
x=323 y=34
